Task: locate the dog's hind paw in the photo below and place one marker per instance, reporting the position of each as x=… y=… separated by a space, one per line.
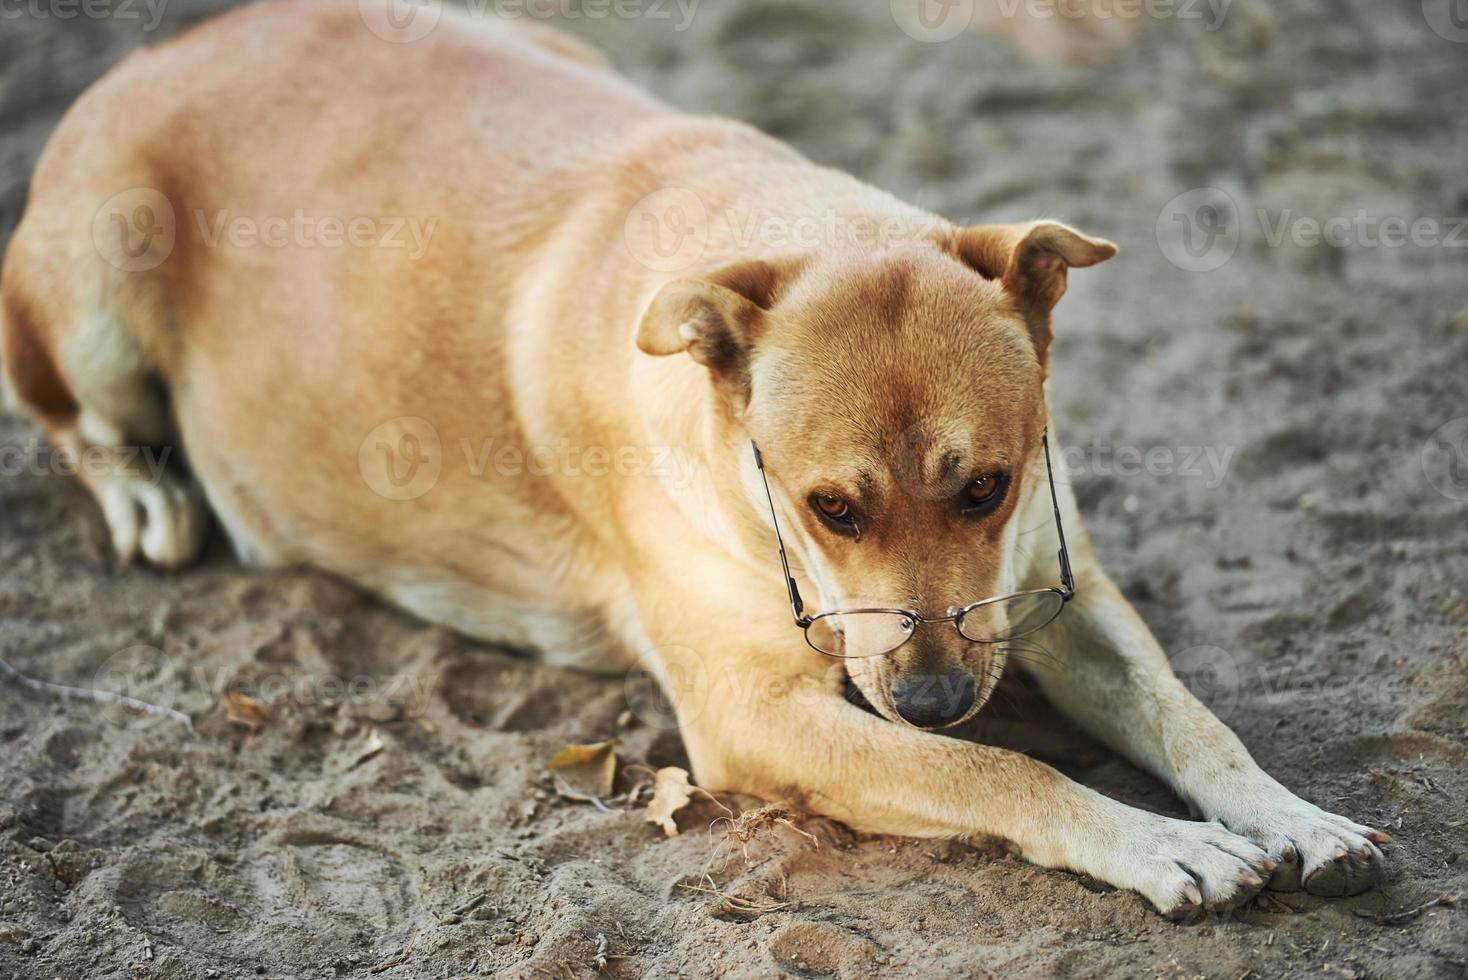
x=1324 y=853
x=164 y=518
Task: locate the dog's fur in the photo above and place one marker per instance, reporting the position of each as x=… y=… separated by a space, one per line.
x=889 y=370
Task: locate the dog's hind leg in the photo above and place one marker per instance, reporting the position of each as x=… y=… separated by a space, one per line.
x=88 y=383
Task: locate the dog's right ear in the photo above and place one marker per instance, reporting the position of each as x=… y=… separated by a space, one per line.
x=716 y=319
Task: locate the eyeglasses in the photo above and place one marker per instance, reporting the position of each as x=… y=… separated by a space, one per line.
x=859 y=633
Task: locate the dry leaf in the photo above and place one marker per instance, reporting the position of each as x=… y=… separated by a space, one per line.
x=241 y=709
x=585 y=772
x=670 y=794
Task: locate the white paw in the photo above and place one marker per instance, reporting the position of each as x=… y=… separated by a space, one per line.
x=1319 y=851
x=164 y=519
x=1184 y=867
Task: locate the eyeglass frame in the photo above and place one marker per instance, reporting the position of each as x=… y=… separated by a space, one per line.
x=955 y=615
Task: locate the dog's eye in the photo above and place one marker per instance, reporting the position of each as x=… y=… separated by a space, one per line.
x=983 y=494
x=834 y=511
x=833 y=506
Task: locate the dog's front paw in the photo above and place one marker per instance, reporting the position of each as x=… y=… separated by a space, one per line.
x=1184 y=867
x=1326 y=854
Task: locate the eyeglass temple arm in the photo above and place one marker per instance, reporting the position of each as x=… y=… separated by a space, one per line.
x=797 y=607
x=1066 y=578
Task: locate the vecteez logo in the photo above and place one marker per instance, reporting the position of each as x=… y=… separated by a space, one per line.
x=1198 y=231
x=1447 y=18
x=139 y=688
x=668 y=230
x=401 y=459
x=933 y=21
x=1445 y=459
x=136 y=230
x=401 y=21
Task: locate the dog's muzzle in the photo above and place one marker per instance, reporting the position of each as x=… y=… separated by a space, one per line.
x=934 y=700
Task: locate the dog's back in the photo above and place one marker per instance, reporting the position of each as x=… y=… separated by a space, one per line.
x=133 y=284
x=317 y=91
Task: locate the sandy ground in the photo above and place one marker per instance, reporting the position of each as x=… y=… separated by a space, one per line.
x=1264 y=450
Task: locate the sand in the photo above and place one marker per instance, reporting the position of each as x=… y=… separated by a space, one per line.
x=1261 y=448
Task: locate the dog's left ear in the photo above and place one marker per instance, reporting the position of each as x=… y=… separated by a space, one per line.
x=1030 y=261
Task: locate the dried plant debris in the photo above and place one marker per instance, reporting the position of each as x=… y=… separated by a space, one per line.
x=671 y=793
x=585 y=773
x=732 y=904
x=604 y=956
x=747 y=826
x=243 y=710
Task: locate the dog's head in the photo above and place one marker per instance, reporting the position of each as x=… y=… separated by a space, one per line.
x=897 y=396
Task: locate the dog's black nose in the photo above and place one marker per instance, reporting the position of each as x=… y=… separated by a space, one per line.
x=933 y=700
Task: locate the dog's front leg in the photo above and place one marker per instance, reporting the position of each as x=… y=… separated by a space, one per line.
x=881 y=777
x=1100 y=665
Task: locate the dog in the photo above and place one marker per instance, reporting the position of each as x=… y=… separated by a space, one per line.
x=617 y=408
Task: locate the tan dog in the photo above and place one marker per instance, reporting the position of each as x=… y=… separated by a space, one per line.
x=477 y=428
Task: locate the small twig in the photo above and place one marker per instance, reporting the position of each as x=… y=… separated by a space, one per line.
x=1265 y=899
x=96 y=697
x=563 y=789
x=1407 y=915
x=390 y=964
x=471 y=905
